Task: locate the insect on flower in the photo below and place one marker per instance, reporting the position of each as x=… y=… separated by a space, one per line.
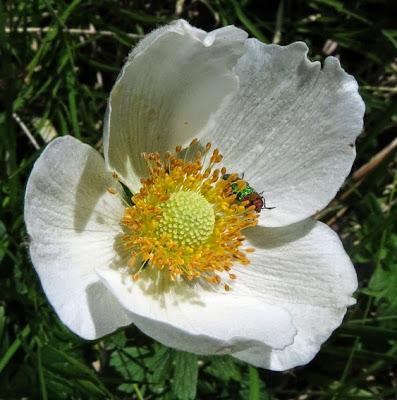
x=245 y=193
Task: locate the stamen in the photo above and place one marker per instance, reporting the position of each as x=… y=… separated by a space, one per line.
x=186 y=222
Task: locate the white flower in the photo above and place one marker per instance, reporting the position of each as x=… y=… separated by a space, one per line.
x=164 y=262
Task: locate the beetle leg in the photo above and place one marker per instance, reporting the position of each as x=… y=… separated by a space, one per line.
x=264 y=204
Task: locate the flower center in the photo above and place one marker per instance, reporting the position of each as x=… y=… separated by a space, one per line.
x=188 y=218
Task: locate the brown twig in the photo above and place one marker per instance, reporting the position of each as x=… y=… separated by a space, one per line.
x=279 y=23
x=359 y=176
x=375 y=161
x=26 y=131
x=72 y=31
x=386 y=89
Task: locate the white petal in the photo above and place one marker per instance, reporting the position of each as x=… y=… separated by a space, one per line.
x=290 y=128
x=197 y=320
x=304 y=269
x=73 y=224
x=171 y=84
x=314 y=326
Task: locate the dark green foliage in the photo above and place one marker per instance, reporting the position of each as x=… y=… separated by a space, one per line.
x=61 y=78
x=185 y=375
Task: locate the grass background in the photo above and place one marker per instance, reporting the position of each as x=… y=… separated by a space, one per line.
x=59 y=60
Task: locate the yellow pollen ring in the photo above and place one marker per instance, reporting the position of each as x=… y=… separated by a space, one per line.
x=185 y=221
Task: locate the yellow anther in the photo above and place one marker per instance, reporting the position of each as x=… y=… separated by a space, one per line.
x=135 y=277
x=232 y=177
x=241 y=185
x=111 y=190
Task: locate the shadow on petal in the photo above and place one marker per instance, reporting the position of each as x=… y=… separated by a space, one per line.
x=89 y=190
x=269 y=238
x=106 y=312
x=260 y=356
